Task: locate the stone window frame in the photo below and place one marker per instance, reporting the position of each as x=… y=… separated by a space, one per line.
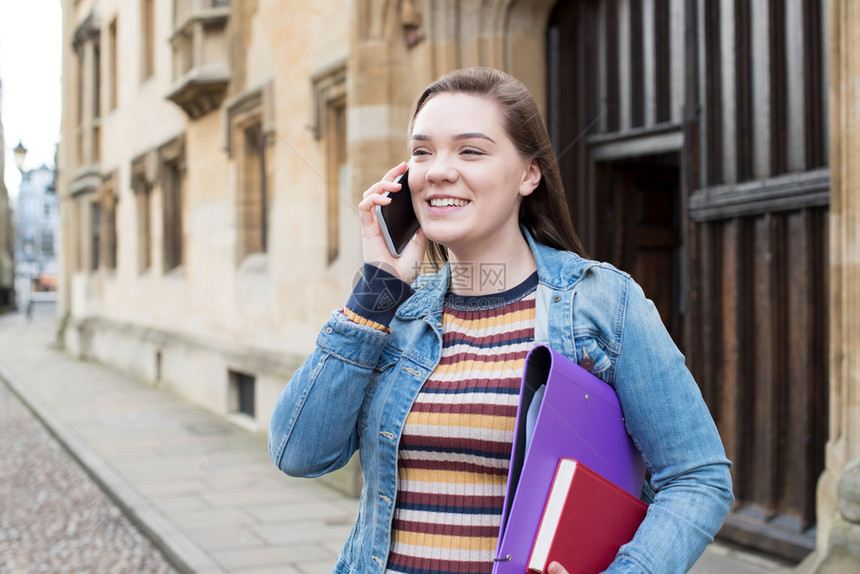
x=172 y=182
x=243 y=112
x=86 y=44
x=143 y=177
x=113 y=63
x=329 y=87
x=108 y=199
x=94 y=208
x=147 y=39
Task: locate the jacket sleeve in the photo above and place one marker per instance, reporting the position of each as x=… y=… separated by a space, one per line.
x=313 y=429
x=673 y=429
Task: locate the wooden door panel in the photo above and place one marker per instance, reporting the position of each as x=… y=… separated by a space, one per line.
x=768 y=378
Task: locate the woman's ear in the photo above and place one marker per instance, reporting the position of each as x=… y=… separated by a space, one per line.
x=531 y=177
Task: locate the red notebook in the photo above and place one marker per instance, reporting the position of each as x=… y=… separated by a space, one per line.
x=585 y=521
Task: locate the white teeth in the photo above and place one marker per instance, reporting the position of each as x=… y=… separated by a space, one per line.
x=447 y=202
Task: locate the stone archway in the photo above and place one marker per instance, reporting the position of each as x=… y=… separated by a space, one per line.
x=418 y=40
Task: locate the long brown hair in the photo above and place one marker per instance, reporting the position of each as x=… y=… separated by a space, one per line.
x=544 y=212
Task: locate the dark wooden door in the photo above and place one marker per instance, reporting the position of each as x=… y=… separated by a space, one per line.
x=641 y=228
x=685 y=165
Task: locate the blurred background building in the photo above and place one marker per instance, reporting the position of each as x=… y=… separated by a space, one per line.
x=7 y=266
x=36 y=224
x=213 y=154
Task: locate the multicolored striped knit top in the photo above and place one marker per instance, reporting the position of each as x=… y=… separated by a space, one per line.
x=456 y=444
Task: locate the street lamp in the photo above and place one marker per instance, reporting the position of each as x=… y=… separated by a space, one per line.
x=20 y=153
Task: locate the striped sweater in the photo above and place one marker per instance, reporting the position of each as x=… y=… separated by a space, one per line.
x=455 y=447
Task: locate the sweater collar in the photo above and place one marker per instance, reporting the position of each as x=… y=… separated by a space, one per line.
x=556 y=269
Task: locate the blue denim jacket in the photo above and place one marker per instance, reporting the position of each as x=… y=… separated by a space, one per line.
x=356 y=389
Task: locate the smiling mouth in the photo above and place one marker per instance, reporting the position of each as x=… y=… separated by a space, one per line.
x=448 y=202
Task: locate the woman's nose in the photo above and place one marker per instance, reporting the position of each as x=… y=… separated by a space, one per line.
x=441 y=171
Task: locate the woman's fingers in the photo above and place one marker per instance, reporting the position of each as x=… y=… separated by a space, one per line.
x=366 y=208
x=556 y=568
x=374 y=195
x=387 y=181
x=373 y=200
x=395 y=171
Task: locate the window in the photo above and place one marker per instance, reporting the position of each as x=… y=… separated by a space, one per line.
x=171 y=189
x=95 y=236
x=144 y=228
x=172 y=183
x=96 y=91
x=241 y=399
x=48 y=243
x=252 y=200
x=329 y=87
x=112 y=63
x=81 y=77
x=108 y=230
x=336 y=172
x=86 y=44
x=248 y=135
x=141 y=184
x=147 y=39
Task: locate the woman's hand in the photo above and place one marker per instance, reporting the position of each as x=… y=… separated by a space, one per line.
x=376 y=252
x=555 y=568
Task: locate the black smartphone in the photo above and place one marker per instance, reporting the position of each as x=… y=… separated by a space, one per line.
x=397 y=219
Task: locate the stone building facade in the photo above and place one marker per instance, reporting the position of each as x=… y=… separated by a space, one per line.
x=7 y=263
x=36 y=224
x=213 y=153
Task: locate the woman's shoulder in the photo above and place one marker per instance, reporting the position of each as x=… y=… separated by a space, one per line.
x=565 y=269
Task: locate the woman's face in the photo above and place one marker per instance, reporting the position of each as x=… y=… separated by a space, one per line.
x=467 y=177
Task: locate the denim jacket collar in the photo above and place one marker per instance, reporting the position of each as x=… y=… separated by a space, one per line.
x=556 y=270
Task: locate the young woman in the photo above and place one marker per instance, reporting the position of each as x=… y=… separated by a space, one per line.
x=423 y=380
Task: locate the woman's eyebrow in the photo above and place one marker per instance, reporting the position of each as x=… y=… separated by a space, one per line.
x=463 y=136
x=473 y=135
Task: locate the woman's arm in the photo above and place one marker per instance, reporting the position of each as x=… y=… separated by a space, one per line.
x=672 y=427
x=313 y=426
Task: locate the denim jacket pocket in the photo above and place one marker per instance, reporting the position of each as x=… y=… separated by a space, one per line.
x=390 y=356
x=592 y=357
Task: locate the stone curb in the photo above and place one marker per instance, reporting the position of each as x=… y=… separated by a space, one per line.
x=182 y=552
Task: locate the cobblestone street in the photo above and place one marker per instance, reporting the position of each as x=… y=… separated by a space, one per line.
x=53 y=517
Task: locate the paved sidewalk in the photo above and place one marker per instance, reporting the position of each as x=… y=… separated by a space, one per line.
x=200 y=487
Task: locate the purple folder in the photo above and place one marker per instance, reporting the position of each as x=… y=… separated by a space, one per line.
x=576 y=415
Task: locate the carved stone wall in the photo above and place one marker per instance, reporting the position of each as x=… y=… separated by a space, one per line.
x=838 y=518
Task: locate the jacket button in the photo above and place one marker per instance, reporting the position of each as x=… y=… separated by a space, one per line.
x=587 y=363
x=556 y=299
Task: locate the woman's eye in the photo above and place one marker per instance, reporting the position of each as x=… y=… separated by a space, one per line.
x=471 y=151
x=420 y=151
